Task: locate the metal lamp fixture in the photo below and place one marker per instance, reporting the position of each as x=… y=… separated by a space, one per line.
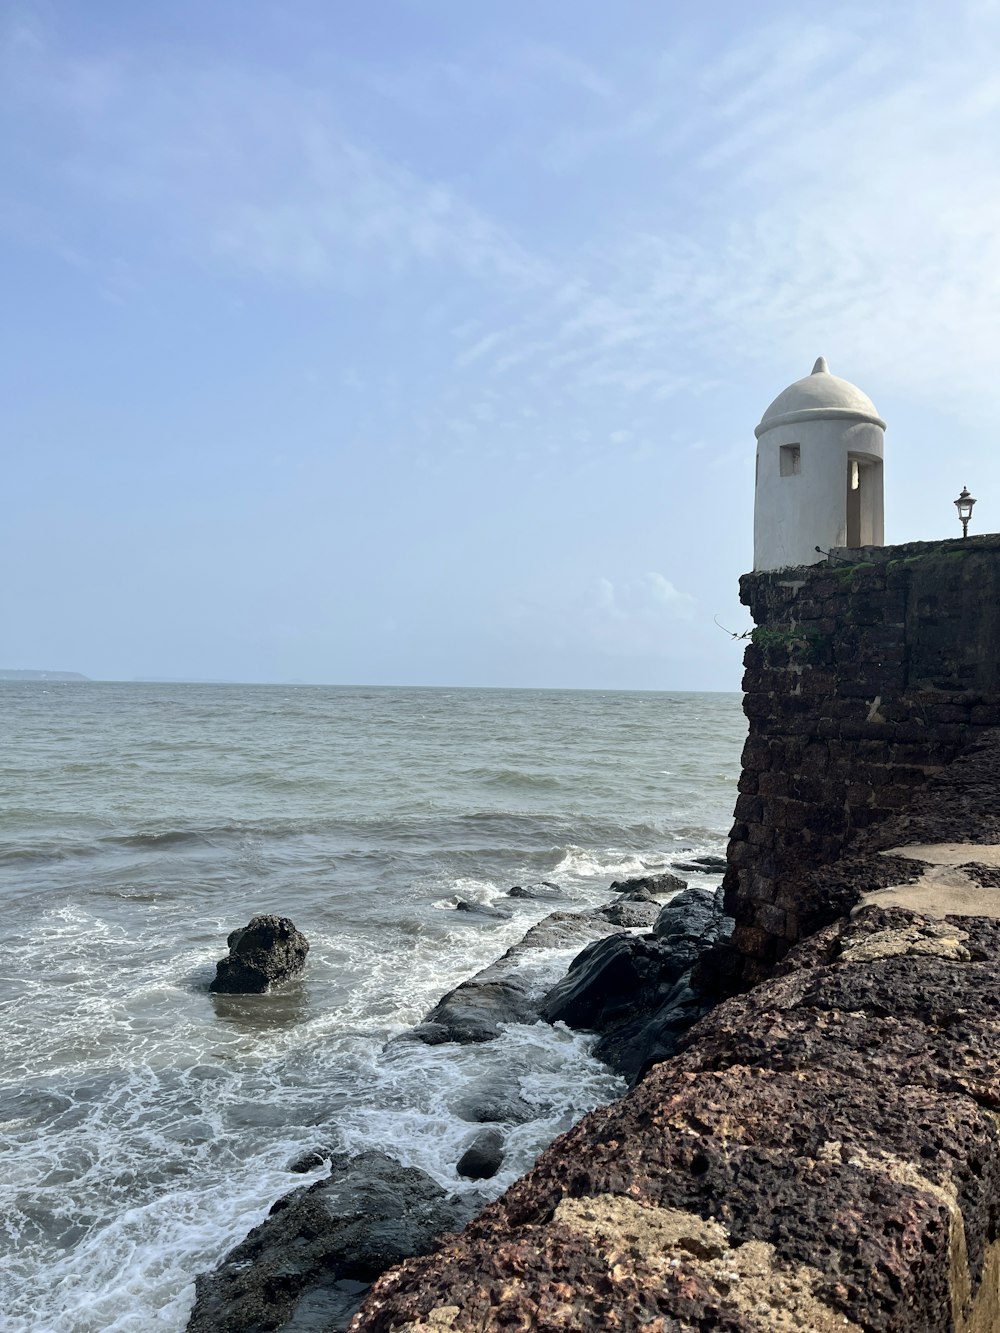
x=964 y=505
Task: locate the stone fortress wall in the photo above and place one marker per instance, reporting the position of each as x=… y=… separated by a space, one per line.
x=867 y=674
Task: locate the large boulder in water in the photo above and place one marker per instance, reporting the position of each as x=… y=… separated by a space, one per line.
x=264 y=953
x=311 y=1259
x=483 y=1157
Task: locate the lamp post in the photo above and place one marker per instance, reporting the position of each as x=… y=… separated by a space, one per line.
x=964 y=505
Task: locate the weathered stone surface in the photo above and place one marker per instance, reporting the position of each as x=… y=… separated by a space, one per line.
x=562 y=930
x=824 y=1149
x=320 y=1242
x=264 y=953
x=693 y=915
x=631 y=915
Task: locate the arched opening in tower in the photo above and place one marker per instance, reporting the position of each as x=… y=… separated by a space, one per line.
x=862 y=477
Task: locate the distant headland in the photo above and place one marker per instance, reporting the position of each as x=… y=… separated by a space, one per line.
x=7 y=673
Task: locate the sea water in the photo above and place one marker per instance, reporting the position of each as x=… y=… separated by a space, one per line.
x=145 y=1124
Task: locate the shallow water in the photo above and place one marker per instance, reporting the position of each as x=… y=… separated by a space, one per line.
x=146 y=1125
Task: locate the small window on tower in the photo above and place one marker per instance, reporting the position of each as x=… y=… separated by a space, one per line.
x=790 y=460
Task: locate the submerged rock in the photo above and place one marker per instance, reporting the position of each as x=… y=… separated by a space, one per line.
x=484 y=1156
x=481 y=909
x=497 y=1106
x=637 y=990
x=264 y=953
x=543 y=891
x=323 y=1244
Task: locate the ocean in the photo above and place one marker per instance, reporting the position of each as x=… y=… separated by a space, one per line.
x=145 y=1124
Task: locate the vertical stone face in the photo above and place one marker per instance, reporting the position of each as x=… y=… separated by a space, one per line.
x=865 y=677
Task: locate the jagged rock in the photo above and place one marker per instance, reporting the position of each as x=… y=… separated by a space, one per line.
x=653 y=884
x=637 y=990
x=321 y=1240
x=264 y=953
x=692 y=915
x=630 y=914
x=484 y=1156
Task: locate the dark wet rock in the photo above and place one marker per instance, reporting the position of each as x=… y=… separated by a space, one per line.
x=986 y=875
x=484 y=1156
x=476 y=1009
x=264 y=953
x=657 y=885
x=481 y=909
x=327 y=1310
x=311 y=1160
x=692 y=915
x=703 y=865
x=543 y=891
x=368 y=1214
x=631 y=915
x=637 y=896
x=637 y=991
x=805 y=1162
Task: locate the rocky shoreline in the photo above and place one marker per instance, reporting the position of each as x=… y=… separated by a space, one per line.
x=821 y=1152
x=312 y=1259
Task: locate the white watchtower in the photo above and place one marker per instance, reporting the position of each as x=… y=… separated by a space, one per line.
x=819 y=472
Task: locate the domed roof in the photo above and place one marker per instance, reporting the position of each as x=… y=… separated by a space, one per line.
x=819 y=395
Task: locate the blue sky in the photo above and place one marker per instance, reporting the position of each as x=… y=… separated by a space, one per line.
x=422 y=342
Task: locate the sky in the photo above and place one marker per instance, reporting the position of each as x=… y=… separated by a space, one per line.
x=421 y=342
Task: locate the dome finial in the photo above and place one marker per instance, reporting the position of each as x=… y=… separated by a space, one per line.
x=821 y=368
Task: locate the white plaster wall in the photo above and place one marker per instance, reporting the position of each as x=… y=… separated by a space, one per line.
x=793 y=515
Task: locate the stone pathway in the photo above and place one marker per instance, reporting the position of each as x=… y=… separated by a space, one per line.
x=945 y=888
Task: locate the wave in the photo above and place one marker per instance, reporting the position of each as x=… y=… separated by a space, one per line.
x=516 y=778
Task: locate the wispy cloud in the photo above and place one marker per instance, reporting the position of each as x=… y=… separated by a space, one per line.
x=246 y=168
x=821 y=192
x=799 y=187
